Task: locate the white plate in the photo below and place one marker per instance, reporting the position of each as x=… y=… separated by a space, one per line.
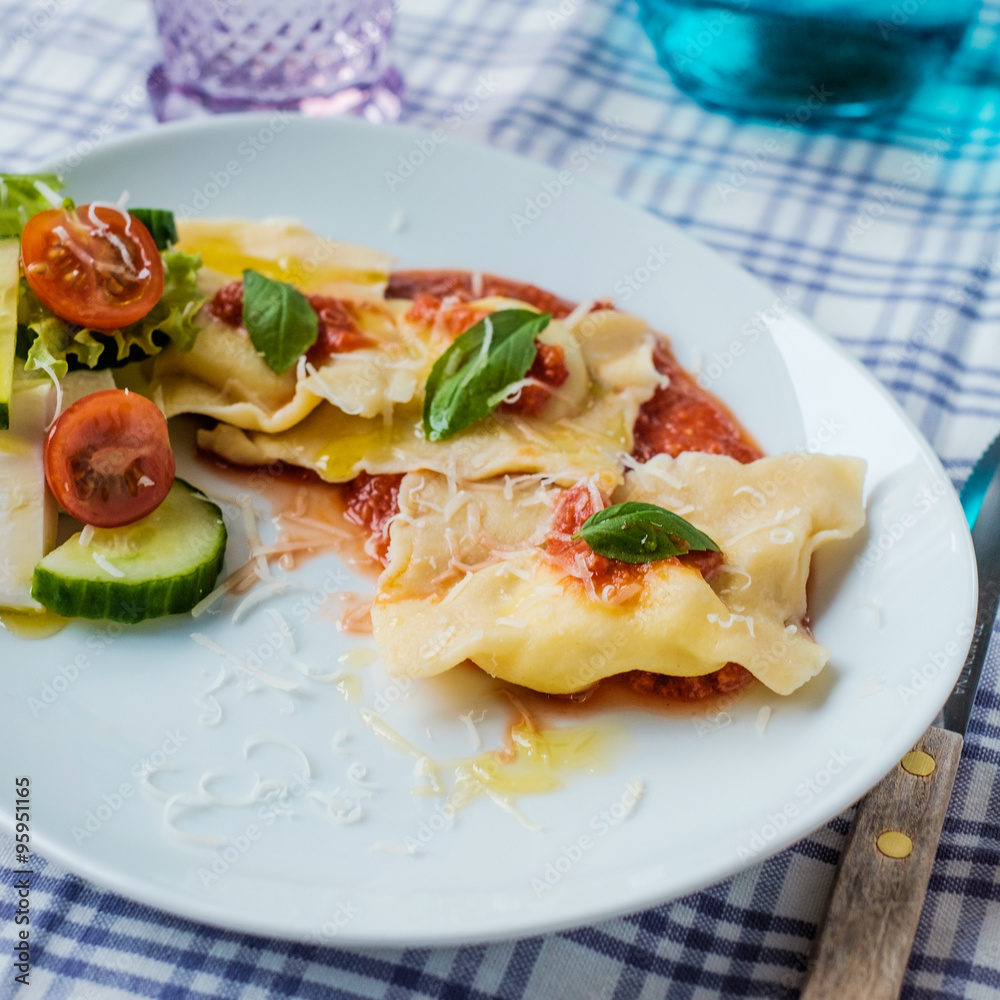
x=719 y=795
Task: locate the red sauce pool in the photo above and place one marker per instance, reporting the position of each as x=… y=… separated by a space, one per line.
x=684 y=417
x=458 y=284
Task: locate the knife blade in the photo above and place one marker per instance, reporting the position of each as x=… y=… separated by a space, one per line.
x=879 y=888
x=981 y=502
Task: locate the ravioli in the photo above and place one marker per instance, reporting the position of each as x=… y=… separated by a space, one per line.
x=223 y=376
x=582 y=430
x=285 y=250
x=471 y=576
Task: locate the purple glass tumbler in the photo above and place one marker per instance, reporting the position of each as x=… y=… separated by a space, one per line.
x=324 y=57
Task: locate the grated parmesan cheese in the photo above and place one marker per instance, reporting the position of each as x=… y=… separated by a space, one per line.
x=59 y=392
x=423 y=766
x=755 y=493
x=470 y=724
x=583 y=309
x=342 y=811
x=255 y=741
x=282 y=625
x=736 y=571
x=411 y=849
x=102 y=561
x=186 y=802
x=211 y=714
x=763 y=717
x=746 y=619
x=779 y=518
x=266 y=678
x=234 y=580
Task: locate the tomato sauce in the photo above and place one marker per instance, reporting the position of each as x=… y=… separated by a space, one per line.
x=458 y=284
x=450 y=316
x=371 y=502
x=549 y=368
x=682 y=416
x=339 y=331
x=227 y=304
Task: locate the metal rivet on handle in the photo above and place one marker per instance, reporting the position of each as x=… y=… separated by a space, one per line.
x=919 y=763
x=894 y=844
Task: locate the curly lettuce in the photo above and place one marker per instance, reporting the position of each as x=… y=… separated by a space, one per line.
x=47 y=342
x=25 y=195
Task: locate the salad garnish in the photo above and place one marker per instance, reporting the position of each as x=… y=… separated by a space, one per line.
x=160 y=223
x=108 y=460
x=25 y=195
x=96 y=265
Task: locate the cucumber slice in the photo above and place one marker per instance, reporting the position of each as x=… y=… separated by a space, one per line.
x=10 y=272
x=163 y=564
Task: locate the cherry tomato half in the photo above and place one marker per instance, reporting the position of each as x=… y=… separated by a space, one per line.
x=95 y=265
x=108 y=460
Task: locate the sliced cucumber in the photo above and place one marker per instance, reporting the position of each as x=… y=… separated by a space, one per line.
x=10 y=272
x=163 y=564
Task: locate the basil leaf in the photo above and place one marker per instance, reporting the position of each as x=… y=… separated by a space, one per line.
x=472 y=377
x=279 y=319
x=160 y=223
x=25 y=195
x=642 y=532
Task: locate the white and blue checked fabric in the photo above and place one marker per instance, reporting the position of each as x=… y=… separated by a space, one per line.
x=887 y=233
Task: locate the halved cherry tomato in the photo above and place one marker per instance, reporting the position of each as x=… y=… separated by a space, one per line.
x=95 y=265
x=108 y=460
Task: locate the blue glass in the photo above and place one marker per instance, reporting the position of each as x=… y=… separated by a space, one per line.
x=804 y=59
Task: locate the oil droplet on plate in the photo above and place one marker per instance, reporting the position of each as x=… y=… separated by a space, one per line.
x=31 y=624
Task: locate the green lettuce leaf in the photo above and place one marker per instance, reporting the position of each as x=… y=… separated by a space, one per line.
x=25 y=195
x=45 y=340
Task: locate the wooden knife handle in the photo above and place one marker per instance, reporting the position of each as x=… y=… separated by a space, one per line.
x=864 y=944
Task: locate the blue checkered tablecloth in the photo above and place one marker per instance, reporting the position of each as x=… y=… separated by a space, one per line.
x=887 y=234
